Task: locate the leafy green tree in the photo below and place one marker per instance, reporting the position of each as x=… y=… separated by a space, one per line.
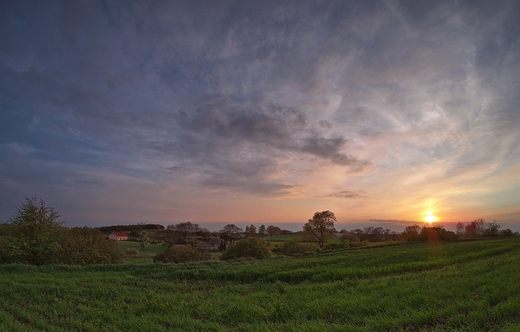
x=86 y=246
x=320 y=227
x=249 y=247
x=144 y=239
x=35 y=231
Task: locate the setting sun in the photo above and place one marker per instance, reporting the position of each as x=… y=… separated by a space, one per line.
x=429 y=218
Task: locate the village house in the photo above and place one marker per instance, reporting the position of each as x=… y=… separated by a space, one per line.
x=118 y=236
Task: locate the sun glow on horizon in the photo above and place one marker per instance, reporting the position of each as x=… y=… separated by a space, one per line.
x=430 y=218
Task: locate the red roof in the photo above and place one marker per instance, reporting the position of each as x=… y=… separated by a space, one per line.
x=120 y=233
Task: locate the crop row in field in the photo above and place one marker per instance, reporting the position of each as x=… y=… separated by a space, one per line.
x=467 y=286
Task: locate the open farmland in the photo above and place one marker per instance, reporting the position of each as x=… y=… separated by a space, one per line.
x=459 y=286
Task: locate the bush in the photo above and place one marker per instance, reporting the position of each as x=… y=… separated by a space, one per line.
x=131 y=252
x=35 y=231
x=85 y=245
x=249 y=247
x=336 y=245
x=294 y=247
x=181 y=254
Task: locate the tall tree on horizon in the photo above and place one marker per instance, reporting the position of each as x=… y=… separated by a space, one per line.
x=320 y=227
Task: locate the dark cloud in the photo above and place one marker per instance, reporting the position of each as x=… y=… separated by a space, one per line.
x=237 y=95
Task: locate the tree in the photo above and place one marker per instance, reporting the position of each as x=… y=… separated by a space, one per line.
x=35 y=232
x=320 y=227
x=273 y=230
x=411 y=233
x=231 y=233
x=475 y=229
x=184 y=229
x=249 y=247
x=144 y=239
x=261 y=231
x=491 y=229
x=459 y=229
x=250 y=231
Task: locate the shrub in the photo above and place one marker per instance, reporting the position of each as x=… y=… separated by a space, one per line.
x=336 y=245
x=181 y=254
x=85 y=245
x=132 y=252
x=248 y=247
x=294 y=247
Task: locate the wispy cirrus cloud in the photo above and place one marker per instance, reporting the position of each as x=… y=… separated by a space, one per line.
x=273 y=101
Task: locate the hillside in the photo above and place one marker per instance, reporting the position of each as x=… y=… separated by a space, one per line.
x=466 y=286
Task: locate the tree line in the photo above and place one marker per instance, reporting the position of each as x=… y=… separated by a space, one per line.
x=35 y=235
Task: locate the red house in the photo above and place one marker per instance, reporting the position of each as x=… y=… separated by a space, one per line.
x=118 y=236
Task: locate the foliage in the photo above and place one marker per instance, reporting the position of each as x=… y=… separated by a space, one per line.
x=411 y=233
x=320 y=227
x=492 y=229
x=230 y=233
x=375 y=234
x=262 y=231
x=294 y=247
x=452 y=286
x=480 y=228
x=36 y=236
x=273 y=230
x=184 y=229
x=131 y=252
x=144 y=239
x=248 y=247
x=85 y=245
x=250 y=231
x=130 y=228
x=181 y=254
x=34 y=233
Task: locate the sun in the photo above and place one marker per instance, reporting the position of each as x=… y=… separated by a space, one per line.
x=429 y=218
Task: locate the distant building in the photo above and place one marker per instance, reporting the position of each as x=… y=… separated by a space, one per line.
x=118 y=236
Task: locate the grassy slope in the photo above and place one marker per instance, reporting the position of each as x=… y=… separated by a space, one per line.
x=468 y=286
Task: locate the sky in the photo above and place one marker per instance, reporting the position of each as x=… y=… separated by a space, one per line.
x=263 y=112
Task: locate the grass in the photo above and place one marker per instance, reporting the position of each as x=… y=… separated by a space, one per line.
x=145 y=256
x=459 y=286
x=281 y=238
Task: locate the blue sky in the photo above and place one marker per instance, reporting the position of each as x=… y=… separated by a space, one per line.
x=261 y=112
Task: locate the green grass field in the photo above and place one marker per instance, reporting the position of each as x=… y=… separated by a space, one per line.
x=145 y=256
x=458 y=286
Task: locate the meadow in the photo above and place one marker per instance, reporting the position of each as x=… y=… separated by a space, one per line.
x=454 y=286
